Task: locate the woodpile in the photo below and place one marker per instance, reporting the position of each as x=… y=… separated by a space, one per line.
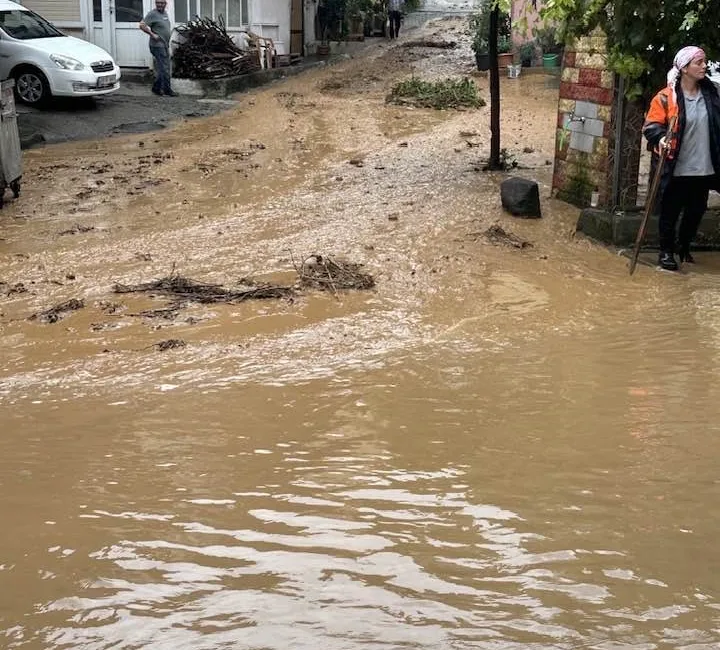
x=206 y=51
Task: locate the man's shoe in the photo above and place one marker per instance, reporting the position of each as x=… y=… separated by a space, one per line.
x=171 y=93
x=156 y=92
x=667 y=261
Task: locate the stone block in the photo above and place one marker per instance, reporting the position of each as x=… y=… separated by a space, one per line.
x=602 y=147
x=582 y=142
x=583 y=45
x=604 y=112
x=570 y=75
x=586 y=109
x=607 y=79
x=598 y=43
x=521 y=197
x=586 y=93
x=588 y=126
x=567 y=106
x=595 y=61
x=589 y=77
x=569 y=59
x=596 y=224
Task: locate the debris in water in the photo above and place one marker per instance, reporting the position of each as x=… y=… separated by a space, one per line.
x=499 y=237
x=325 y=273
x=13 y=289
x=176 y=286
x=76 y=230
x=54 y=314
x=427 y=42
x=170 y=344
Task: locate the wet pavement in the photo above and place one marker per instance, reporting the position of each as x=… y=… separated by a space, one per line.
x=132 y=109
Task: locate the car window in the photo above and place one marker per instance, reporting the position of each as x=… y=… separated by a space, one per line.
x=26 y=25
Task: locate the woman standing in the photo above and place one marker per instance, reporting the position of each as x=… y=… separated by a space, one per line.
x=692 y=166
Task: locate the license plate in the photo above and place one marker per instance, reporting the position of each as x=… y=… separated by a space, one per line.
x=106 y=80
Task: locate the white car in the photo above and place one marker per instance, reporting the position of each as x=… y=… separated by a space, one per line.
x=45 y=62
x=713 y=72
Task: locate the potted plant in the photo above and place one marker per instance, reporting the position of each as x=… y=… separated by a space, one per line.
x=505 y=55
x=527 y=53
x=546 y=37
x=330 y=17
x=479 y=33
x=479 y=29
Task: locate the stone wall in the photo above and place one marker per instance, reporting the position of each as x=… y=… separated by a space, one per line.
x=583 y=147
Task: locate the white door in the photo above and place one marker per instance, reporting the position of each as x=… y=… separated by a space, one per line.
x=271 y=18
x=122 y=36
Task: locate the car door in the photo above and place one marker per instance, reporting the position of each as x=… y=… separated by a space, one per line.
x=5 y=56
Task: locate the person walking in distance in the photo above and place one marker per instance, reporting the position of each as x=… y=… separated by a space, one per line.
x=395 y=15
x=692 y=166
x=157 y=26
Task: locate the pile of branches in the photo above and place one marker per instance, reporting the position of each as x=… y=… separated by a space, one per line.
x=185 y=289
x=206 y=51
x=327 y=274
x=429 y=42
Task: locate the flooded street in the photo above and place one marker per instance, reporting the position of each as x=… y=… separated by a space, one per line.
x=497 y=448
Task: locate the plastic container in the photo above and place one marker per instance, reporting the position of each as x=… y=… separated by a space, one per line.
x=550 y=60
x=513 y=71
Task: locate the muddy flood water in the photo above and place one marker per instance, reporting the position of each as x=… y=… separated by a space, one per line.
x=496 y=448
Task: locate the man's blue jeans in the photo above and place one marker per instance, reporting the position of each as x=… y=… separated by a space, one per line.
x=162 y=68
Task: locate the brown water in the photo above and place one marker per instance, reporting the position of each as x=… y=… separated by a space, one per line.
x=496 y=449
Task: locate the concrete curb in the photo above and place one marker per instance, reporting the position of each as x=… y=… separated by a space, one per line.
x=226 y=86
x=620 y=228
x=220 y=88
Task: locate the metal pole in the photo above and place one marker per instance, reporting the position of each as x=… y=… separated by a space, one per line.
x=619 y=130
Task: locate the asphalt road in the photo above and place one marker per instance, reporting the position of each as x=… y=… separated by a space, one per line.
x=132 y=109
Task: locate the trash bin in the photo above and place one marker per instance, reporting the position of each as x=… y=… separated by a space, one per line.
x=10 y=153
x=550 y=60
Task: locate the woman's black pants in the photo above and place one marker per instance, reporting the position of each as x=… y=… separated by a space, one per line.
x=689 y=195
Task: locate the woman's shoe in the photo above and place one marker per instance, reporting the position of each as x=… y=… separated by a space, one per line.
x=667 y=261
x=686 y=257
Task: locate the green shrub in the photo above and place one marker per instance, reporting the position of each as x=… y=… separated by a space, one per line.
x=446 y=93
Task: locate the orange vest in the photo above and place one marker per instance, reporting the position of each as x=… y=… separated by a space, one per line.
x=662 y=107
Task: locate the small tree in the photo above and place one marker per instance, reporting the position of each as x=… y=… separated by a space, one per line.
x=643 y=36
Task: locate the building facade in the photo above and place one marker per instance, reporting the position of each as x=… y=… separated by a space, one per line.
x=113 y=24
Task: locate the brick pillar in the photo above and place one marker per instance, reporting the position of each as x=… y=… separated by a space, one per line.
x=585 y=111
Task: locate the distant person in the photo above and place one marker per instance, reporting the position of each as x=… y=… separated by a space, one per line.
x=395 y=8
x=157 y=26
x=692 y=166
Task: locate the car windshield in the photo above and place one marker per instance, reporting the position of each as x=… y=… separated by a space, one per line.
x=25 y=25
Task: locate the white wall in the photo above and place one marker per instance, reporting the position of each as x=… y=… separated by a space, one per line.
x=271 y=18
x=56 y=11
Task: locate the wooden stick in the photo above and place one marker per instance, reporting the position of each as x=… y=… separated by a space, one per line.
x=652 y=193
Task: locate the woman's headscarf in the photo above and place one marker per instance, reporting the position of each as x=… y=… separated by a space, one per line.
x=682 y=58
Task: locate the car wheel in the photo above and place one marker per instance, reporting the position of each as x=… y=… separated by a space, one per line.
x=31 y=86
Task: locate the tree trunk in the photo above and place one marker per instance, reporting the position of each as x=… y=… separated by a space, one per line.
x=494 y=161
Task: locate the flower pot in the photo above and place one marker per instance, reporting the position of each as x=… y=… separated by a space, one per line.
x=323 y=49
x=482 y=61
x=550 y=60
x=505 y=59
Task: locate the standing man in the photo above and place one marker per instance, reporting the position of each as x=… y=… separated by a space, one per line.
x=157 y=26
x=395 y=14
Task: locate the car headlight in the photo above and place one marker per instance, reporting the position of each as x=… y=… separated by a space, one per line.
x=66 y=62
